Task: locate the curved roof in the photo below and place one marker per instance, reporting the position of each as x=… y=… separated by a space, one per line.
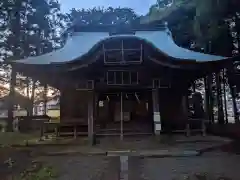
x=82 y=43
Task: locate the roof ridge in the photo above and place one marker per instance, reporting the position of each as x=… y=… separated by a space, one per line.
x=156 y=25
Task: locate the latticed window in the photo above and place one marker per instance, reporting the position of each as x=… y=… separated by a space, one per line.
x=122 y=78
x=123 y=52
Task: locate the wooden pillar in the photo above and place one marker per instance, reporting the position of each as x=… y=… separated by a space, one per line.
x=185 y=113
x=91 y=120
x=121 y=116
x=156 y=112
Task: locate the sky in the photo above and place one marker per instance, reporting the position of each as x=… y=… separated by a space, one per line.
x=139 y=6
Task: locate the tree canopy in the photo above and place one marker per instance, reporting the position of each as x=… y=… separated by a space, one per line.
x=207 y=25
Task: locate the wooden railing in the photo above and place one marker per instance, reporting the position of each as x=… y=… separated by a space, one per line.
x=65 y=128
x=193 y=125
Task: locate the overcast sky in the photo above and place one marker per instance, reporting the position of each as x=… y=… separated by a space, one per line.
x=139 y=6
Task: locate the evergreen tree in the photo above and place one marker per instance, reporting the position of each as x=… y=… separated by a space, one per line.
x=28 y=28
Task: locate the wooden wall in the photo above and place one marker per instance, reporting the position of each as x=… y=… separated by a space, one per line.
x=74 y=105
x=171 y=107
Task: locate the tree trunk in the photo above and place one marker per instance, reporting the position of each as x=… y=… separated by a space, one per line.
x=232 y=86
x=219 y=99
x=15 y=17
x=45 y=98
x=32 y=98
x=235 y=110
x=28 y=96
x=11 y=102
x=224 y=93
x=194 y=86
x=210 y=82
x=207 y=98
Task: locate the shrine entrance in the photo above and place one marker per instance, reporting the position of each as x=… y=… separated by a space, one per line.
x=124 y=113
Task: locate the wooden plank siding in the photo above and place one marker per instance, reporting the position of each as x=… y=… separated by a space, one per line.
x=74 y=106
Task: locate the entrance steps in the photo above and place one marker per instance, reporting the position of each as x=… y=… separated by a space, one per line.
x=129 y=129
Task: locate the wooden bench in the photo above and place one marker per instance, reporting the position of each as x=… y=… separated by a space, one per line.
x=199 y=123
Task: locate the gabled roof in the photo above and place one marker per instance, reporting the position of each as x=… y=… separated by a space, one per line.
x=80 y=44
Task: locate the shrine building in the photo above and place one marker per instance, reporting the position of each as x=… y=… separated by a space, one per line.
x=121 y=80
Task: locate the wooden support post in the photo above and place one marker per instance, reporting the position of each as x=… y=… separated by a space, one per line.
x=75 y=131
x=42 y=131
x=56 y=131
x=156 y=112
x=121 y=114
x=203 y=128
x=91 y=123
x=185 y=113
x=188 y=133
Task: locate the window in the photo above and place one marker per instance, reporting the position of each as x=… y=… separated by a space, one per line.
x=123 y=52
x=122 y=78
x=85 y=85
x=159 y=83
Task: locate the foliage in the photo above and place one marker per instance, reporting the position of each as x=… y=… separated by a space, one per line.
x=101 y=16
x=43 y=173
x=27 y=28
x=206 y=25
x=15 y=138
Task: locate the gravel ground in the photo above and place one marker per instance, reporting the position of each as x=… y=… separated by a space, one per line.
x=107 y=168
x=84 y=167
x=215 y=164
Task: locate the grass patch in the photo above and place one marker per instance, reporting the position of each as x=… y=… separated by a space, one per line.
x=16 y=138
x=39 y=173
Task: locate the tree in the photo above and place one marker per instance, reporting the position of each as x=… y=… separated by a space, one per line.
x=102 y=16
x=202 y=23
x=28 y=28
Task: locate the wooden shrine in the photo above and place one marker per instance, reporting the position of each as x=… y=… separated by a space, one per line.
x=122 y=81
